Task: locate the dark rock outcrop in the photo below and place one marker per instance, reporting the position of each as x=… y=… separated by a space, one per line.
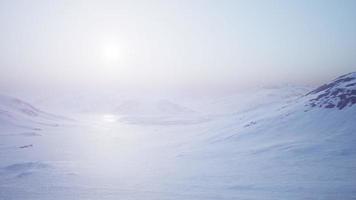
x=340 y=93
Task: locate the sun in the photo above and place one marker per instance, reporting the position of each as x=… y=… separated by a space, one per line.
x=111 y=53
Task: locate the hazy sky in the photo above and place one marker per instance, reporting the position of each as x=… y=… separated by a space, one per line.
x=170 y=43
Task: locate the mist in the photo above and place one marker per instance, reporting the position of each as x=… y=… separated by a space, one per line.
x=177 y=99
x=173 y=44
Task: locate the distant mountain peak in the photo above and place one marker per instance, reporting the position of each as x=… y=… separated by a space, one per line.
x=340 y=93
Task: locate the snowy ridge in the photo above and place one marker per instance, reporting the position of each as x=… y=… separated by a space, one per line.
x=18 y=113
x=340 y=93
x=264 y=144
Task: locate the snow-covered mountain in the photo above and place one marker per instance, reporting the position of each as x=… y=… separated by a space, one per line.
x=288 y=150
x=271 y=143
x=157 y=112
x=151 y=107
x=340 y=93
x=15 y=113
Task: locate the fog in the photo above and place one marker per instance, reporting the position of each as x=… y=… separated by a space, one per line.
x=177 y=99
x=53 y=45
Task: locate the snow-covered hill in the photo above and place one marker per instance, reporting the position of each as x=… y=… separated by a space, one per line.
x=289 y=150
x=340 y=93
x=271 y=143
x=151 y=107
x=15 y=113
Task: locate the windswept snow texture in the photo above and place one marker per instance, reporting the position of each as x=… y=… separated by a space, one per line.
x=338 y=94
x=264 y=144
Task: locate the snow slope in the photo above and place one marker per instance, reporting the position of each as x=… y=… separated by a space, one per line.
x=15 y=113
x=273 y=143
x=340 y=93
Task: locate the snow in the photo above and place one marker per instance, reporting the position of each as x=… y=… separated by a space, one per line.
x=339 y=93
x=18 y=114
x=262 y=144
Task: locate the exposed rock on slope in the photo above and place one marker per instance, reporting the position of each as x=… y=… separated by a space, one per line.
x=340 y=93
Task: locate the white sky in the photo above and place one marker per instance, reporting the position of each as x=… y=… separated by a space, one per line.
x=174 y=43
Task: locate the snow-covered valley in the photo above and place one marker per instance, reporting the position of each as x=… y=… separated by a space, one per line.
x=272 y=143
